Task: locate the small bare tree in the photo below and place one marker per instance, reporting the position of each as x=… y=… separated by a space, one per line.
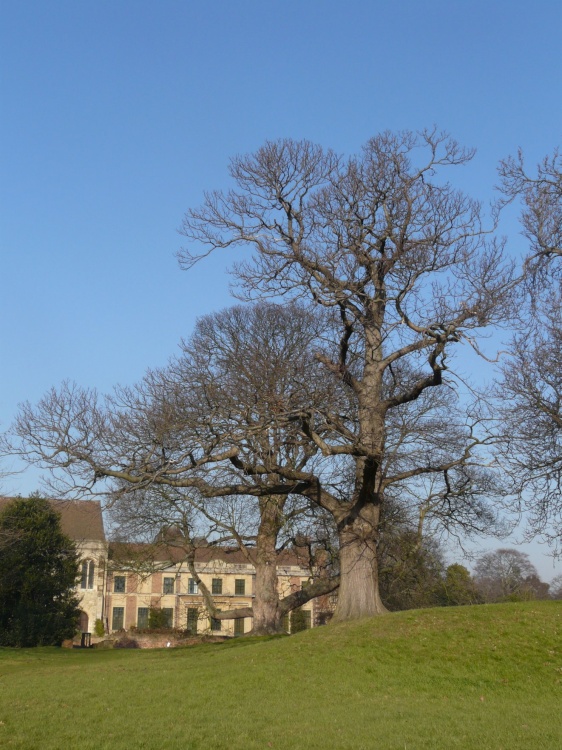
x=508 y=574
x=555 y=588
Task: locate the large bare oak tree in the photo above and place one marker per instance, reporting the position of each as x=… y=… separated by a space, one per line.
x=401 y=259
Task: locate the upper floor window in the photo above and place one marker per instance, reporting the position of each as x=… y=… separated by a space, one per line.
x=192 y=587
x=87 y=575
x=216 y=586
x=239 y=586
x=168 y=586
x=119 y=584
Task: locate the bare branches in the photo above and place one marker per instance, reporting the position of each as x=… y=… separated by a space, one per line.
x=541 y=216
x=530 y=390
x=530 y=394
x=333 y=406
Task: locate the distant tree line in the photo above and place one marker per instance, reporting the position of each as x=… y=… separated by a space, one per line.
x=416 y=577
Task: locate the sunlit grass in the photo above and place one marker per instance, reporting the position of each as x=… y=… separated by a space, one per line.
x=469 y=677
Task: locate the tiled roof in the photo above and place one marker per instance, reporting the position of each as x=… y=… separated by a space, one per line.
x=123 y=552
x=81 y=520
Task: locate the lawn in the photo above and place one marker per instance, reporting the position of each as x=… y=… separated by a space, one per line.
x=487 y=677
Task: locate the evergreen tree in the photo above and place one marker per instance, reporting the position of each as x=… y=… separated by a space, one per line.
x=38 y=571
x=458 y=588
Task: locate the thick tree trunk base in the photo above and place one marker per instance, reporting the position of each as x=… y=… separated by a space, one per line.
x=358 y=594
x=267 y=629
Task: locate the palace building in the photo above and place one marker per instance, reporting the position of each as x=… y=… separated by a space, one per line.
x=120 y=584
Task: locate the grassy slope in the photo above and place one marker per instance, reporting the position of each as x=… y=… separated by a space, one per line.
x=469 y=677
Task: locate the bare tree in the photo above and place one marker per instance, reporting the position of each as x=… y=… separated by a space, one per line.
x=541 y=215
x=530 y=390
x=555 y=588
x=530 y=395
x=508 y=574
x=175 y=449
x=402 y=261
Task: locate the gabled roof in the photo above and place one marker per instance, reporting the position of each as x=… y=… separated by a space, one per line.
x=81 y=520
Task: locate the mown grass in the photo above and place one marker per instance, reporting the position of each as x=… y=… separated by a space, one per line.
x=468 y=677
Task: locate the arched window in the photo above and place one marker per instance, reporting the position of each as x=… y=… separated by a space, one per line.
x=87 y=575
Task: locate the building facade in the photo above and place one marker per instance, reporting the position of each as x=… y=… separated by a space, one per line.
x=121 y=584
x=171 y=588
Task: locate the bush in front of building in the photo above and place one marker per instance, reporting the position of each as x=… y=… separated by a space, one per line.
x=126 y=642
x=158 y=619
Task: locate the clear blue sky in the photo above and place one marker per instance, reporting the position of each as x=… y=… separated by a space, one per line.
x=116 y=115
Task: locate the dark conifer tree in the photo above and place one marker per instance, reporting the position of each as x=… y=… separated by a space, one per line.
x=38 y=571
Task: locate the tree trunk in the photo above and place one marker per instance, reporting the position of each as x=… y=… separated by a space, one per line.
x=359 y=578
x=267 y=615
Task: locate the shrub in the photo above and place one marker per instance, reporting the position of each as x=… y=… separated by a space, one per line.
x=99 y=629
x=126 y=642
x=158 y=619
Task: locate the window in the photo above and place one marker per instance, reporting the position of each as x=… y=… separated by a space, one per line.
x=192 y=587
x=168 y=586
x=192 y=618
x=119 y=584
x=216 y=625
x=87 y=575
x=216 y=586
x=118 y=618
x=239 y=626
x=142 y=617
x=239 y=586
x=169 y=617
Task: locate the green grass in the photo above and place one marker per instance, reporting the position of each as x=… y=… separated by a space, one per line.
x=469 y=677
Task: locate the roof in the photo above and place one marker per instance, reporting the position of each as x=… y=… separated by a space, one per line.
x=81 y=520
x=125 y=551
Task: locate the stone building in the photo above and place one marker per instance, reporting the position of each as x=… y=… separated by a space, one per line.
x=169 y=586
x=120 y=583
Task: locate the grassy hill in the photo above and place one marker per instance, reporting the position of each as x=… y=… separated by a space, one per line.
x=468 y=677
